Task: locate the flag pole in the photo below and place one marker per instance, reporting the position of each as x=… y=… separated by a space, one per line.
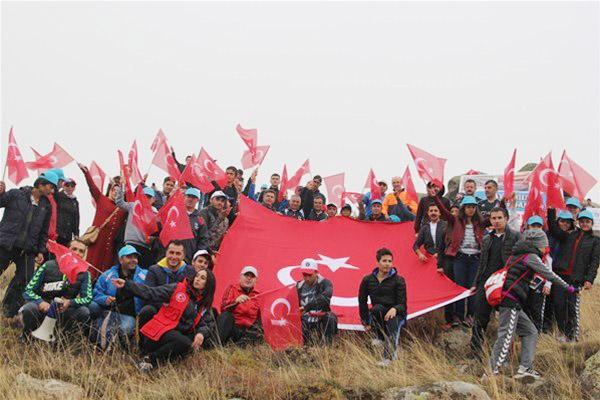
x=260 y=294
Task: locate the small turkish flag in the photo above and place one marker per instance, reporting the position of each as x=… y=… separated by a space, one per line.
x=549 y=182
x=69 y=263
x=17 y=170
x=409 y=186
x=57 y=158
x=354 y=197
x=163 y=159
x=144 y=217
x=429 y=167
x=373 y=186
x=281 y=318
x=126 y=173
x=294 y=181
x=574 y=179
x=174 y=219
x=509 y=177
x=211 y=170
x=254 y=156
x=136 y=175
x=335 y=188
x=535 y=202
x=249 y=136
x=284 y=183
x=158 y=140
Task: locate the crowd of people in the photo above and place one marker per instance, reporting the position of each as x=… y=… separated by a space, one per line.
x=164 y=295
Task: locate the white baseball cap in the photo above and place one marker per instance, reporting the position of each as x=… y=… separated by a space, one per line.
x=249 y=269
x=218 y=193
x=309 y=266
x=201 y=253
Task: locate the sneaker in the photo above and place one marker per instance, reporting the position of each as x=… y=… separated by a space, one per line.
x=145 y=365
x=384 y=363
x=527 y=375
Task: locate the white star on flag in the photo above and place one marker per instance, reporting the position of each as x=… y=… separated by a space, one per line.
x=172 y=224
x=335 y=263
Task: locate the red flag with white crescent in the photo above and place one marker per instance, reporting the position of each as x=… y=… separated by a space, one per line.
x=284 y=183
x=174 y=219
x=254 y=157
x=163 y=159
x=354 y=197
x=429 y=167
x=549 y=182
x=57 y=158
x=335 y=188
x=17 y=170
x=249 y=136
x=98 y=175
x=126 y=173
x=535 y=202
x=211 y=169
x=574 y=179
x=255 y=239
x=69 y=263
x=158 y=139
x=281 y=318
x=294 y=181
x=509 y=176
x=373 y=186
x=144 y=218
x=409 y=186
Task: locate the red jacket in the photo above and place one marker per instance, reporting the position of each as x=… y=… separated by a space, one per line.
x=168 y=316
x=457 y=228
x=245 y=314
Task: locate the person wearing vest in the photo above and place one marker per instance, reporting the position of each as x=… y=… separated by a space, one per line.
x=48 y=283
x=184 y=323
x=387 y=291
x=172 y=268
x=526 y=261
x=319 y=324
x=495 y=250
x=578 y=265
x=239 y=320
x=114 y=310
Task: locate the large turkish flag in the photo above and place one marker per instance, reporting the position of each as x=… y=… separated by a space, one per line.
x=344 y=249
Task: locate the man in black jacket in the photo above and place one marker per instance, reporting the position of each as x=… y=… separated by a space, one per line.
x=317 y=213
x=315 y=294
x=431 y=235
x=423 y=207
x=387 y=292
x=495 y=250
x=578 y=265
x=67 y=213
x=23 y=234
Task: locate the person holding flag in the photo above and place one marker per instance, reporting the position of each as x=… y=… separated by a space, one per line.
x=50 y=282
x=398 y=202
x=136 y=234
x=184 y=323
x=239 y=320
x=162 y=196
x=314 y=293
x=387 y=291
x=23 y=234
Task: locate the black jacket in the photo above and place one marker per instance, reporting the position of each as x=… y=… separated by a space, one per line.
x=49 y=282
x=484 y=271
x=162 y=294
x=288 y=212
x=579 y=255
x=421 y=216
x=424 y=238
x=391 y=292
x=313 y=216
x=532 y=263
x=307 y=198
x=159 y=275
x=23 y=224
x=67 y=218
x=322 y=295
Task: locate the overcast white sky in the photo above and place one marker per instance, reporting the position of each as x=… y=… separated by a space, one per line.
x=344 y=84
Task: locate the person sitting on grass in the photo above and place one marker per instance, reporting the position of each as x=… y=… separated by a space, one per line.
x=387 y=292
x=183 y=324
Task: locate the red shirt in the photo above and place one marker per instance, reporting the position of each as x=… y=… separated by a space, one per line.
x=245 y=314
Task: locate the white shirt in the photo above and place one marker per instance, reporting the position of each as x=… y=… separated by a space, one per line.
x=433 y=228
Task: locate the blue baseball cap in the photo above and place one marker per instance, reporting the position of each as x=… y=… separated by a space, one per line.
x=50 y=177
x=376 y=201
x=394 y=218
x=536 y=219
x=58 y=172
x=193 y=192
x=468 y=201
x=565 y=215
x=586 y=214
x=127 y=250
x=573 y=202
x=148 y=191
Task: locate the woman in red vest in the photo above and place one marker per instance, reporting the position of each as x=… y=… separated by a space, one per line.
x=184 y=323
x=109 y=217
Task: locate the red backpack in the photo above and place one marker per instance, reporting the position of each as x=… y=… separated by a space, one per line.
x=495 y=283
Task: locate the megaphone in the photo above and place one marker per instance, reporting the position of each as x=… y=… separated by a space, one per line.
x=46 y=331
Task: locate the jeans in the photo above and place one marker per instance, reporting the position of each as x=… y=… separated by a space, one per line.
x=109 y=326
x=465 y=269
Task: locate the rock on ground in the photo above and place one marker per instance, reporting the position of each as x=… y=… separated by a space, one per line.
x=438 y=391
x=49 y=388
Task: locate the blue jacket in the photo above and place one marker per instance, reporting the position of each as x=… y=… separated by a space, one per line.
x=105 y=288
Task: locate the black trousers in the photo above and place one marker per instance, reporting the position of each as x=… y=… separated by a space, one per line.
x=566 y=310
x=229 y=331
x=72 y=318
x=319 y=329
x=481 y=319
x=25 y=265
x=386 y=331
x=535 y=309
x=173 y=345
x=447 y=263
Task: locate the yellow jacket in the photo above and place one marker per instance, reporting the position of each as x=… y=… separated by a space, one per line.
x=390 y=200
